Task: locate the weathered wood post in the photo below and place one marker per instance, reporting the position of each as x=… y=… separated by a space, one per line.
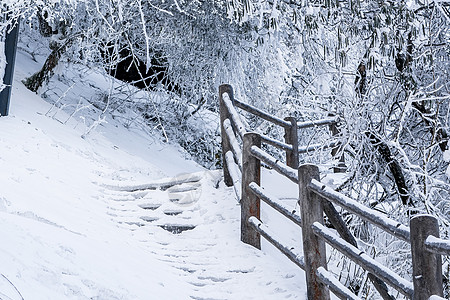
x=314 y=252
x=224 y=114
x=427 y=266
x=291 y=138
x=10 y=53
x=250 y=203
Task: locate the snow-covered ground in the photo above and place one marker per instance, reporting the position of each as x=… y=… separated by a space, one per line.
x=76 y=224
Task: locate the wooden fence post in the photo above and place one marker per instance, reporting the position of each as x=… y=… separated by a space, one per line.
x=224 y=114
x=427 y=266
x=250 y=203
x=291 y=138
x=314 y=252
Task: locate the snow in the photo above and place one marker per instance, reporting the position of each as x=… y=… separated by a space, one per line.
x=235 y=147
x=447 y=159
x=235 y=174
x=447 y=155
x=435 y=297
x=57 y=240
x=438 y=245
x=85 y=218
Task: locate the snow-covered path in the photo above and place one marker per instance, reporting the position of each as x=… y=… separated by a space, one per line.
x=194 y=228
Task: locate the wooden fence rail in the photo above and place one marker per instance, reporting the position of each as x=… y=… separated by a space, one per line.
x=243 y=159
x=370 y=215
x=437 y=245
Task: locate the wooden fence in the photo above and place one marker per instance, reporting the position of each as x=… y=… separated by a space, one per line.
x=243 y=158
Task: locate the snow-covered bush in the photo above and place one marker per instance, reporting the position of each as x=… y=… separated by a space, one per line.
x=195 y=41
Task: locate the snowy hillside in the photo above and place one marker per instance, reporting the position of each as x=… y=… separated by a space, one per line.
x=73 y=228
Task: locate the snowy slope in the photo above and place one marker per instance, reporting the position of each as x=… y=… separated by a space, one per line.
x=71 y=231
x=57 y=238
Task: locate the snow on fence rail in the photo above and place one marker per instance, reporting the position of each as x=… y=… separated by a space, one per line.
x=263 y=115
x=234 y=144
x=368 y=263
x=274 y=163
x=235 y=174
x=263 y=230
x=274 y=203
x=237 y=122
x=276 y=143
x=370 y=215
x=314 y=123
x=314 y=147
x=335 y=285
x=316 y=200
x=437 y=245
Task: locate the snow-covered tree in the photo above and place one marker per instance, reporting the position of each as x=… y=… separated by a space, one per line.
x=381 y=66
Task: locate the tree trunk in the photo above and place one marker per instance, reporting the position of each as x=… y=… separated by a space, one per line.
x=394 y=167
x=35 y=81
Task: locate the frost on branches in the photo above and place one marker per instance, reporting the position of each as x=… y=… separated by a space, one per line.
x=380 y=66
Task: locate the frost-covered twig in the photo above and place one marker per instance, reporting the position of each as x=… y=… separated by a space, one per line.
x=99 y=121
